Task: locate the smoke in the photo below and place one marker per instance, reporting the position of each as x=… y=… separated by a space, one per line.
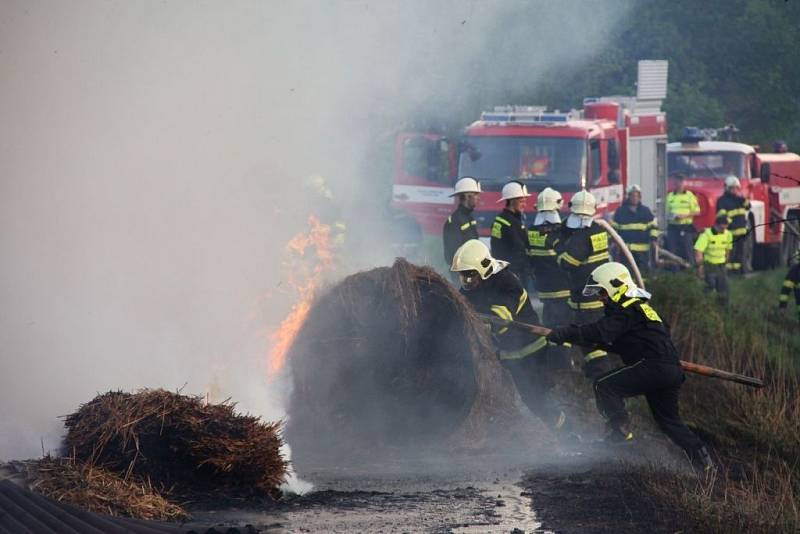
x=153 y=157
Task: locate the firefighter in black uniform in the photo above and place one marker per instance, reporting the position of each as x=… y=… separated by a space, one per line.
x=791 y=284
x=637 y=227
x=585 y=249
x=550 y=280
x=631 y=328
x=460 y=226
x=493 y=289
x=509 y=240
x=733 y=205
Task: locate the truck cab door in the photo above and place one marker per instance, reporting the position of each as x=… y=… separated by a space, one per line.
x=425 y=172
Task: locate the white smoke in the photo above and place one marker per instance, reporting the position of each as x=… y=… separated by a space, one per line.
x=152 y=156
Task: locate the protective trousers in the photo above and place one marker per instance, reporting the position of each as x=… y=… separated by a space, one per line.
x=557 y=313
x=532 y=378
x=595 y=361
x=716 y=277
x=660 y=383
x=680 y=241
x=736 y=263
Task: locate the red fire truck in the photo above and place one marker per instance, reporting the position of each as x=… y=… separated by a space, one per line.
x=609 y=144
x=770 y=181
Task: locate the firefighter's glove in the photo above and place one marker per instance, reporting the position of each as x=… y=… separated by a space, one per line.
x=596 y=367
x=558 y=336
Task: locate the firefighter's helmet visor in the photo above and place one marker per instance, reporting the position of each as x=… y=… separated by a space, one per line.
x=592 y=291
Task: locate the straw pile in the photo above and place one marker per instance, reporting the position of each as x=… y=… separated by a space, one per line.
x=100 y=491
x=178 y=442
x=392 y=356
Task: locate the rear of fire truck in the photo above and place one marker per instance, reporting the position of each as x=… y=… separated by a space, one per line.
x=770 y=181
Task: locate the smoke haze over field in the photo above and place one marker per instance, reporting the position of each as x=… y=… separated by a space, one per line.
x=152 y=161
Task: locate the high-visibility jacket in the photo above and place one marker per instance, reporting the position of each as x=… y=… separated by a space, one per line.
x=551 y=281
x=791 y=284
x=459 y=228
x=714 y=245
x=736 y=208
x=682 y=204
x=636 y=226
x=509 y=242
x=630 y=328
x=584 y=251
x=502 y=295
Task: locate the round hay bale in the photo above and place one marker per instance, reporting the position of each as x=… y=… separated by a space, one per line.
x=391 y=356
x=178 y=442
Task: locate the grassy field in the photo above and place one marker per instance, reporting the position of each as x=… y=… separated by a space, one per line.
x=755 y=433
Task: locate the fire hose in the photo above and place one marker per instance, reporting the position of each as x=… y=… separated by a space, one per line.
x=690 y=367
x=625 y=250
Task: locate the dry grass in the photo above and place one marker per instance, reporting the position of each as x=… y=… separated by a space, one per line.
x=179 y=442
x=393 y=357
x=100 y=491
x=755 y=433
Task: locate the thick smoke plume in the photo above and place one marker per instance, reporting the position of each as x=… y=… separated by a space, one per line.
x=152 y=162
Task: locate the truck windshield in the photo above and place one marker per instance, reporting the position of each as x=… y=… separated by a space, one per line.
x=716 y=164
x=538 y=162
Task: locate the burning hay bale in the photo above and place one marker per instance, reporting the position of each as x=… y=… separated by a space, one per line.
x=178 y=442
x=392 y=356
x=100 y=491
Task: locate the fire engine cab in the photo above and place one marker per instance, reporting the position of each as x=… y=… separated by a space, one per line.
x=770 y=181
x=609 y=144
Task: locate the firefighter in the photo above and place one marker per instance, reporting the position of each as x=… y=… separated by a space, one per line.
x=637 y=227
x=735 y=207
x=551 y=281
x=791 y=284
x=682 y=206
x=509 y=240
x=631 y=328
x=490 y=286
x=460 y=226
x=712 y=251
x=585 y=249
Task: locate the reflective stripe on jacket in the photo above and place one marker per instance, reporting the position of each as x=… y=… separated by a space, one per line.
x=682 y=204
x=550 y=280
x=714 y=246
x=636 y=226
x=736 y=208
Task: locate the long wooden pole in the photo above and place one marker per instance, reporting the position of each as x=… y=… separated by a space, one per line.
x=690 y=367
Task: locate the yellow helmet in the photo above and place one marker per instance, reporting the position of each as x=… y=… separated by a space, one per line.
x=611 y=277
x=583 y=203
x=549 y=200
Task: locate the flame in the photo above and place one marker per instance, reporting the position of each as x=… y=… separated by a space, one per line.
x=305 y=276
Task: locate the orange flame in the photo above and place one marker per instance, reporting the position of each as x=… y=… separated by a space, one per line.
x=305 y=275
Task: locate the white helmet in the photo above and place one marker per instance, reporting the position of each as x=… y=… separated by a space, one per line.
x=610 y=277
x=583 y=203
x=549 y=200
x=467 y=184
x=514 y=190
x=732 y=181
x=633 y=188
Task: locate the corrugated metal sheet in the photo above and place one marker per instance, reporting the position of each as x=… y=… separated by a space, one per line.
x=24 y=512
x=652 y=79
